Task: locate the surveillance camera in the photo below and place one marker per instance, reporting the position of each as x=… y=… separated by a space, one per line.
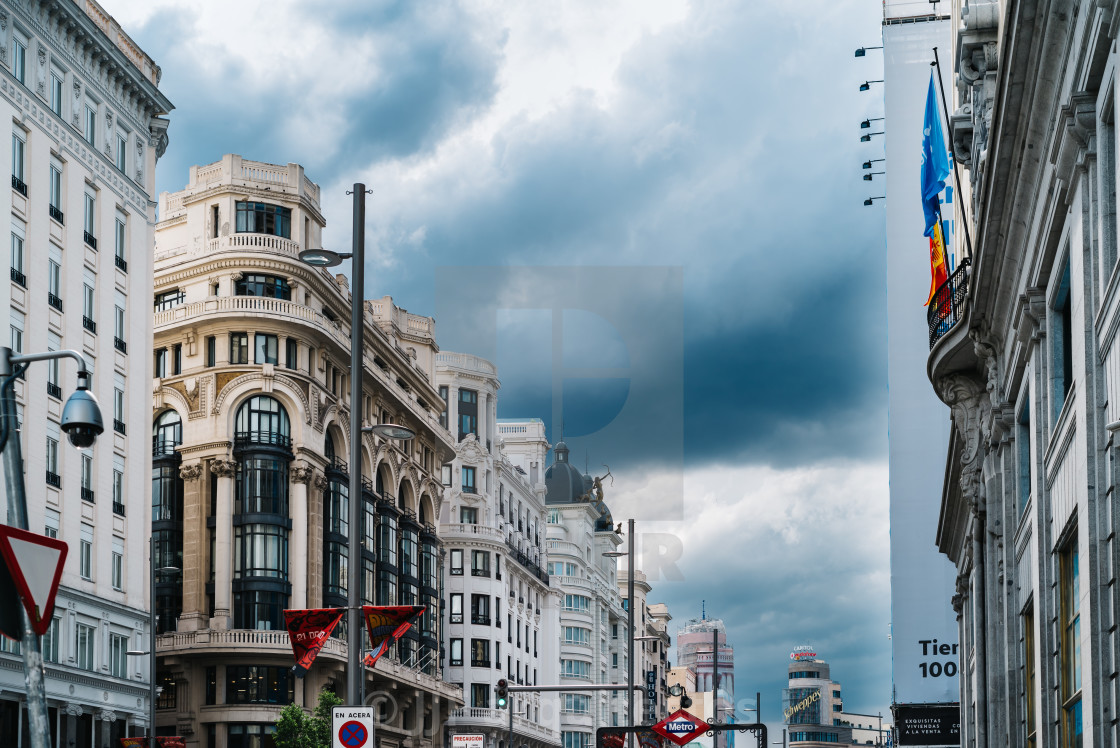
x=81 y=417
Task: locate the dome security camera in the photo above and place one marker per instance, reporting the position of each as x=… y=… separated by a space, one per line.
x=81 y=417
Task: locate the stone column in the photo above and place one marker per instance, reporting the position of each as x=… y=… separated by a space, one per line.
x=73 y=711
x=226 y=470
x=195 y=548
x=107 y=718
x=483 y=430
x=301 y=474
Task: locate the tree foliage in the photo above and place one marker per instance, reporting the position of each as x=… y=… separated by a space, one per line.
x=296 y=729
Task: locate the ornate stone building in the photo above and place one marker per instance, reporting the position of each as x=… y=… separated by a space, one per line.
x=250 y=481
x=83 y=107
x=592 y=619
x=1023 y=350
x=501 y=619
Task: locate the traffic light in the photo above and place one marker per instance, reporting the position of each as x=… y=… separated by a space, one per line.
x=503 y=693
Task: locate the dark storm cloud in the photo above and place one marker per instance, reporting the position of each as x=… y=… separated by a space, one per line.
x=428 y=67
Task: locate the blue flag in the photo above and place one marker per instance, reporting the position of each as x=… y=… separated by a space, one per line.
x=935 y=160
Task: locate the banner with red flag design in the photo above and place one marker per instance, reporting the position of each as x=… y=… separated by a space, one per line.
x=309 y=630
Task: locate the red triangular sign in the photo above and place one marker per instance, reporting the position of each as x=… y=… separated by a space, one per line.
x=35 y=563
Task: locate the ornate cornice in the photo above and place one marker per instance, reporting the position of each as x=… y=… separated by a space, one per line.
x=223 y=468
x=191 y=472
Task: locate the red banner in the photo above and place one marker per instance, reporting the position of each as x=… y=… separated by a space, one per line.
x=308 y=630
x=134 y=743
x=386 y=624
x=164 y=742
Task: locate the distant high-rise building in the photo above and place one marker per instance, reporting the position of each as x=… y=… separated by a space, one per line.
x=694 y=650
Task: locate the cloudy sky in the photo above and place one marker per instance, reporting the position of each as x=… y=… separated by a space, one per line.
x=657 y=206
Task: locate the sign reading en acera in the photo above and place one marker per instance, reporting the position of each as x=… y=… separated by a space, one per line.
x=681 y=727
x=352 y=727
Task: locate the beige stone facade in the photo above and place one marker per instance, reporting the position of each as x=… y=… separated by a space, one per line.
x=251 y=434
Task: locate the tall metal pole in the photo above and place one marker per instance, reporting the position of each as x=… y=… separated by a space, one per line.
x=355 y=674
x=630 y=627
x=509 y=705
x=34 y=677
x=715 y=684
x=152 y=646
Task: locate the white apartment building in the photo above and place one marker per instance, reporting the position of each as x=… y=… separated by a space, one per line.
x=250 y=432
x=501 y=619
x=652 y=655
x=592 y=619
x=83 y=105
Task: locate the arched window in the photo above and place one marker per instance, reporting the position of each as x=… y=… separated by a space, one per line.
x=263 y=420
x=167 y=433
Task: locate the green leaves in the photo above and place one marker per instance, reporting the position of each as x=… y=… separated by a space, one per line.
x=295 y=729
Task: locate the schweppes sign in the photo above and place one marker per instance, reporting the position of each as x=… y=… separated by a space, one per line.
x=812 y=698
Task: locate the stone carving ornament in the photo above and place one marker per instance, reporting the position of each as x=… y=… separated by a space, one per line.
x=223 y=468
x=302 y=473
x=967 y=399
x=191 y=472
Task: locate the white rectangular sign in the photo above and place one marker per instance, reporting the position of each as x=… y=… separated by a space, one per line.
x=352 y=727
x=468 y=741
x=923 y=581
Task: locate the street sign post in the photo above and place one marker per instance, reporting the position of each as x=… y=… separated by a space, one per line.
x=34 y=563
x=352 y=727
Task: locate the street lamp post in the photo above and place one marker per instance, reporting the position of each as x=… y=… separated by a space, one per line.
x=81 y=420
x=629 y=623
x=153 y=619
x=355 y=675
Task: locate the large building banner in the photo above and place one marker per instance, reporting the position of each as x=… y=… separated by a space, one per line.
x=923 y=624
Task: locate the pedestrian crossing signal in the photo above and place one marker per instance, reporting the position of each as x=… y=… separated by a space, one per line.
x=503 y=693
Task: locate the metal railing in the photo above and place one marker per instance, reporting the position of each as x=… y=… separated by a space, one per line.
x=89 y=324
x=54 y=301
x=120 y=345
x=163 y=447
x=118 y=508
x=57 y=215
x=54 y=479
x=265 y=438
x=947 y=307
x=19 y=277
x=19 y=186
x=121 y=263
x=91 y=240
x=119 y=426
x=54 y=390
x=87 y=494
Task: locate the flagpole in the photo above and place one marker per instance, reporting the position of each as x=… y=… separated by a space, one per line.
x=956 y=171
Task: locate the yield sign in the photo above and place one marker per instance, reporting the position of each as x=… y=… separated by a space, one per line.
x=35 y=565
x=681 y=727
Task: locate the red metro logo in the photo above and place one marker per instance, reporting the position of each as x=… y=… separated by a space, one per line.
x=681 y=727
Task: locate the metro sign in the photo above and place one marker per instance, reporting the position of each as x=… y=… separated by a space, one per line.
x=681 y=727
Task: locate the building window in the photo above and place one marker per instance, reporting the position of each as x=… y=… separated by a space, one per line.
x=480 y=610
x=258 y=684
x=468 y=515
x=480 y=653
x=56 y=93
x=122 y=153
x=456 y=651
x=87 y=477
x=480 y=695
x=1061 y=354
x=160 y=368
x=468 y=413
x=456 y=607
x=17 y=260
x=50 y=642
x=259 y=609
x=576 y=635
x=576 y=703
x=239 y=347
x=119 y=334
x=480 y=563
x=118 y=565
x=250 y=735
x=291 y=353
x=91 y=124
x=177 y=358
x=263 y=218
x=267 y=286
x=443 y=413
x=575 y=669
x=54 y=283
x=445 y=475
x=85 y=553
x=53 y=477
x=578 y=603
x=118 y=661
x=169 y=299
x=120 y=253
x=265 y=349
x=1070 y=643
x=468 y=479
x=211 y=350
x=456 y=557
x=18 y=150
x=56 y=192
x=19 y=61
x=88 y=217
x=84 y=641
x=118 y=410
x=88 y=306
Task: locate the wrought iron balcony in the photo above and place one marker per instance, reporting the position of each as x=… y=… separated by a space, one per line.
x=19 y=277
x=57 y=215
x=87 y=494
x=118 y=426
x=118 y=508
x=120 y=345
x=121 y=263
x=262 y=438
x=54 y=479
x=91 y=240
x=163 y=447
x=947 y=306
x=480 y=620
x=89 y=324
x=19 y=186
x=54 y=390
x=54 y=301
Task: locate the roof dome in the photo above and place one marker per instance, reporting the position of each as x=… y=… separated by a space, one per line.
x=564 y=482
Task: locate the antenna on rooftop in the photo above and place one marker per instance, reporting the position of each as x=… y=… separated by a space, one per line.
x=703 y=613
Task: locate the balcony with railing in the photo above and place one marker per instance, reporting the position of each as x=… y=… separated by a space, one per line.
x=948 y=307
x=87 y=494
x=121 y=263
x=89 y=324
x=118 y=508
x=119 y=427
x=120 y=345
x=19 y=186
x=90 y=239
x=249 y=439
x=54 y=390
x=57 y=215
x=19 y=277
x=54 y=479
x=162 y=448
x=54 y=301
